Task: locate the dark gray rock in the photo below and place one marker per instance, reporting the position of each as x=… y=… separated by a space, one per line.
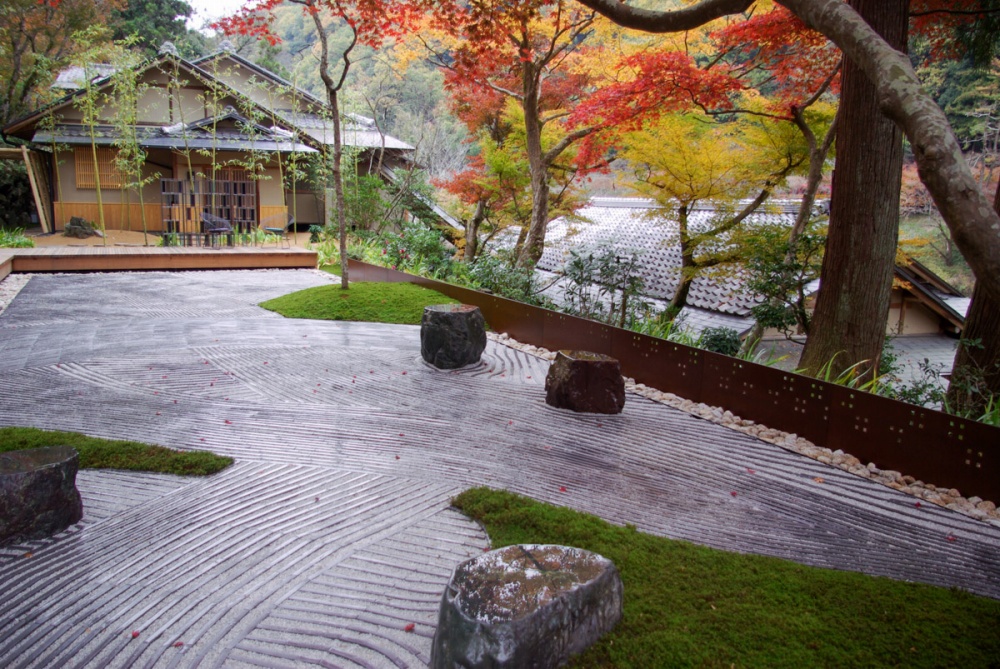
x=526 y=607
x=38 y=495
x=452 y=335
x=584 y=381
x=79 y=228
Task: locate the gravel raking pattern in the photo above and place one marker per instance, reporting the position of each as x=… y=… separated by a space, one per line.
x=332 y=535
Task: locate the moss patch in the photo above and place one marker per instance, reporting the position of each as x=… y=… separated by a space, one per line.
x=691 y=606
x=96 y=453
x=364 y=301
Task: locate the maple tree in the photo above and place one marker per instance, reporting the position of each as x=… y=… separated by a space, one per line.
x=370 y=22
x=683 y=160
x=536 y=53
x=943 y=170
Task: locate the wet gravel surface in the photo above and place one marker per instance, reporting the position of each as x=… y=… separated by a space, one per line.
x=332 y=534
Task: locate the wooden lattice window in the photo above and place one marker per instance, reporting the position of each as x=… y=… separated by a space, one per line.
x=111 y=176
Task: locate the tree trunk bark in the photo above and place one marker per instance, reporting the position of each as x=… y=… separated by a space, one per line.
x=472 y=232
x=976 y=371
x=687 y=270
x=338 y=189
x=848 y=325
x=535 y=241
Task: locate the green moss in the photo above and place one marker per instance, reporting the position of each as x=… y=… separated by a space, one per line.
x=98 y=453
x=691 y=606
x=363 y=301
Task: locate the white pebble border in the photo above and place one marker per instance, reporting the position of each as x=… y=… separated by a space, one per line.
x=974 y=507
x=10 y=287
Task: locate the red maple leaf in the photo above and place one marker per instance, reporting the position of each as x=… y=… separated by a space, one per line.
x=410 y=627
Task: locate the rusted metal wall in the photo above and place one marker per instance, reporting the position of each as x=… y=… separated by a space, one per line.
x=929 y=445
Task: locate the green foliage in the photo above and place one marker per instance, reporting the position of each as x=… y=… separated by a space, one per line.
x=15 y=239
x=780 y=277
x=156 y=21
x=604 y=285
x=16 y=202
x=499 y=273
x=370 y=302
x=98 y=453
x=664 y=325
x=690 y=606
x=721 y=340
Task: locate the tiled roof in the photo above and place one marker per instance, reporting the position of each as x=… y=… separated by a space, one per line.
x=356 y=130
x=638 y=226
x=73 y=77
x=155 y=137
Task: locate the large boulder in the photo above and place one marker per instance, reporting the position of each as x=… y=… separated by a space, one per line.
x=528 y=606
x=585 y=381
x=452 y=335
x=38 y=495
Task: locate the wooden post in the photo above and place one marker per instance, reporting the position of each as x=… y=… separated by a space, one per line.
x=43 y=215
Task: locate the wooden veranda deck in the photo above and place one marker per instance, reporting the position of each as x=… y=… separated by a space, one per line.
x=132 y=258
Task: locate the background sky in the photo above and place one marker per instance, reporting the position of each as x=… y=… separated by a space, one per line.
x=211 y=10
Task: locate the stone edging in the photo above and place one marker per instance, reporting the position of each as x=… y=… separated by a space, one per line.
x=974 y=507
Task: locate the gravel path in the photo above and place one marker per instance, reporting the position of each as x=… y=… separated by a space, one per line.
x=332 y=533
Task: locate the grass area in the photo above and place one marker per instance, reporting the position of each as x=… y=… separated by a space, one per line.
x=691 y=606
x=364 y=301
x=331 y=269
x=96 y=453
x=15 y=239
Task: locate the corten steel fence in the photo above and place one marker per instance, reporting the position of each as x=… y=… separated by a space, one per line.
x=929 y=445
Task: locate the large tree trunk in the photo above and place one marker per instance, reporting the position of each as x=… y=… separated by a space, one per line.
x=976 y=372
x=848 y=325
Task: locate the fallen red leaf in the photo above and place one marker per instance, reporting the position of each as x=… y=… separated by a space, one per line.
x=229 y=422
x=918 y=505
x=410 y=627
x=135 y=634
x=404 y=373
x=397 y=457
x=401 y=434
x=751 y=471
x=562 y=488
x=952 y=538
x=733 y=493
x=178 y=644
x=202 y=439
